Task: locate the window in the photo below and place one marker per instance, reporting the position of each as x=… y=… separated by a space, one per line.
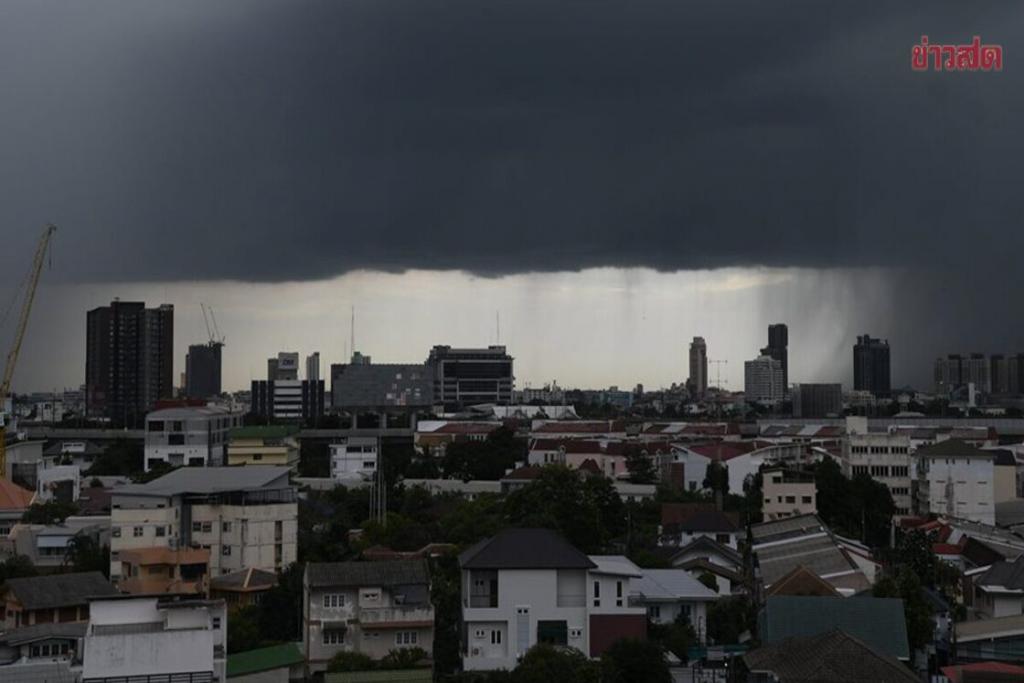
x=257 y=456
x=806 y=500
x=176 y=426
x=495 y=637
x=137 y=532
x=618 y=594
x=654 y=611
x=791 y=499
x=155 y=425
x=216 y=622
x=406 y=638
x=724 y=539
x=597 y=594
x=175 y=439
x=207 y=527
x=334 y=600
x=225 y=550
x=197 y=526
x=116 y=532
x=334 y=637
x=161 y=531
x=370 y=596
x=480 y=633
x=226 y=527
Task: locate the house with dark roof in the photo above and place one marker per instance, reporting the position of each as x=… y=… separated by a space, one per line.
x=833 y=656
x=956 y=479
x=878 y=622
x=999 y=592
x=367 y=607
x=522 y=587
x=45 y=652
x=803 y=581
x=274 y=664
x=242 y=588
x=705 y=523
x=53 y=599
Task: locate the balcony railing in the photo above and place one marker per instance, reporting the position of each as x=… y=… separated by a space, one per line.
x=381 y=615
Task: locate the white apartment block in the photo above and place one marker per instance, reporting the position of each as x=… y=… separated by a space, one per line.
x=787 y=493
x=155 y=640
x=367 y=607
x=887 y=457
x=247 y=517
x=529 y=586
x=354 y=458
x=956 y=479
x=192 y=436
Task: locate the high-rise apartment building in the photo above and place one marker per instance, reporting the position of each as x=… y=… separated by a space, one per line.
x=464 y=377
x=817 y=400
x=203 y=370
x=285 y=366
x=698 y=380
x=778 y=348
x=871 y=366
x=128 y=360
x=313 y=366
x=763 y=380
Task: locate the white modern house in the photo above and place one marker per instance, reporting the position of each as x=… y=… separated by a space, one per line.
x=669 y=595
x=247 y=517
x=528 y=586
x=191 y=435
x=956 y=479
x=354 y=458
x=152 y=640
x=367 y=607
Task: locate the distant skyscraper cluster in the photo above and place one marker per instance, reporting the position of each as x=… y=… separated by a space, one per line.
x=1000 y=374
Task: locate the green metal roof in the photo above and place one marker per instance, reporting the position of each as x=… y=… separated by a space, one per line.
x=263 y=432
x=263 y=659
x=879 y=622
x=393 y=676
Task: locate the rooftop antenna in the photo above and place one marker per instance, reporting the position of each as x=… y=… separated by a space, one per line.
x=352 y=332
x=497 y=326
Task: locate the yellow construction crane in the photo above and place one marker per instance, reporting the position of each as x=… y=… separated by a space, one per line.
x=19 y=335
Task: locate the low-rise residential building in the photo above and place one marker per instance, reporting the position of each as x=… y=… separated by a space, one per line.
x=432 y=437
x=367 y=607
x=528 y=586
x=957 y=480
x=887 y=457
x=14 y=501
x=151 y=640
x=999 y=591
x=264 y=445
x=354 y=458
x=61 y=483
x=47 y=545
x=53 y=599
x=242 y=588
x=670 y=595
x=194 y=436
x=787 y=493
x=245 y=516
x=828 y=657
x=46 y=652
x=706 y=521
x=146 y=571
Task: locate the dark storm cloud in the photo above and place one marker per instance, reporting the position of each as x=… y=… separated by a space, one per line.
x=270 y=141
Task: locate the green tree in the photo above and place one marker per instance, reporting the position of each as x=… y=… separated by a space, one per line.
x=916 y=610
x=280 y=618
x=729 y=618
x=122 y=458
x=314 y=458
x=49 y=513
x=547 y=663
x=351 y=661
x=86 y=554
x=640 y=466
x=632 y=660
x=403 y=658
x=16 y=567
x=243 y=629
x=716 y=480
x=488 y=459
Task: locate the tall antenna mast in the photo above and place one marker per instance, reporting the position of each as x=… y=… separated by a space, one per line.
x=352 y=332
x=497 y=326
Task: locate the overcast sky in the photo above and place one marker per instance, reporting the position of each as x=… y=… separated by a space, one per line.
x=614 y=177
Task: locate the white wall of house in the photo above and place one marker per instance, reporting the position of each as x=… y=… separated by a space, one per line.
x=961 y=487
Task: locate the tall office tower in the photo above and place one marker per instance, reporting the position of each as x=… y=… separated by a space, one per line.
x=465 y=377
x=817 y=400
x=128 y=360
x=763 y=380
x=871 y=366
x=202 y=370
x=778 y=348
x=698 y=380
x=285 y=366
x=313 y=366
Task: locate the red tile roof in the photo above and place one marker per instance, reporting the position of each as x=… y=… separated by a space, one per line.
x=467 y=428
x=945 y=548
x=13 y=497
x=575 y=427
x=527 y=472
x=956 y=673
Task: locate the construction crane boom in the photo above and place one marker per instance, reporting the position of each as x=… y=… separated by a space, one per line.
x=19 y=336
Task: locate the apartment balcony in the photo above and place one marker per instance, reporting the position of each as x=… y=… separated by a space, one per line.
x=396 y=617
